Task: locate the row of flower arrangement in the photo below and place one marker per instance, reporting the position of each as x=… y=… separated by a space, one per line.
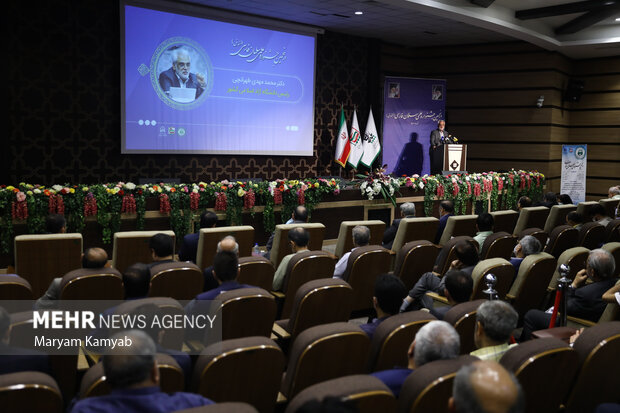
x=106 y=202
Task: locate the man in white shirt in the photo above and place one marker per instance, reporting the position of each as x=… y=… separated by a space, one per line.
x=361 y=237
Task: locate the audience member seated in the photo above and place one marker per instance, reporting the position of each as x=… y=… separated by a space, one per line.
x=550 y=199
x=149 y=313
x=467 y=258
x=484 y=225
x=55 y=224
x=228 y=243
x=599 y=214
x=407 y=210
x=162 y=249
x=564 y=199
x=486 y=387
x=132 y=374
x=459 y=287
x=299 y=216
x=524 y=202
x=137 y=281
x=436 y=340
x=189 y=247
x=528 y=245
x=92 y=258
x=389 y=293
x=583 y=300
x=495 y=321
x=361 y=238
x=225 y=271
x=574 y=219
x=446 y=210
x=298 y=238
x=15 y=359
x=614 y=192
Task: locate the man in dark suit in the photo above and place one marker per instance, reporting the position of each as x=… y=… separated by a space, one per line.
x=179 y=75
x=458 y=288
x=407 y=210
x=189 y=248
x=299 y=216
x=439 y=136
x=446 y=210
x=583 y=301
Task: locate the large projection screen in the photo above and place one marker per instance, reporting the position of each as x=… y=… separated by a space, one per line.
x=196 y=85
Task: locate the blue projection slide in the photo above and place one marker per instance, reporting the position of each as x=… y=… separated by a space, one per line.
x=193 y=85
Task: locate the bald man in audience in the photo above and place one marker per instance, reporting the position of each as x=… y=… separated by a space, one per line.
x=528 y=245
x=407 y=210
x=298 y=239
x=361 y=238
x=298 y=216
x=436 y=340
x=495 y=321
x=486 y=387
x=228 y=243
x=93 y=258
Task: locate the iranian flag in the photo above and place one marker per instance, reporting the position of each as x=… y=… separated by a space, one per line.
x=342 y=143
x=371 y=144
x=355 y=140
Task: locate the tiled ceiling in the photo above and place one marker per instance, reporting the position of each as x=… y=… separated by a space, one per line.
x=423 y=23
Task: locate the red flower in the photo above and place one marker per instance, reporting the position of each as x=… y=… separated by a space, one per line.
x=121 y=192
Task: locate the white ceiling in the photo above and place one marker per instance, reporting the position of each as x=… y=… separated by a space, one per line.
x=424 y=23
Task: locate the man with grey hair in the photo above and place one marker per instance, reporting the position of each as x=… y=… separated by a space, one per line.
x=486 y=387
x=407 y=210
x=361 y=238
x=583 y=300
x=132 y=373
x=228 y=243
x=437 y=340
x=527 y=245
x=614 y=192
x=179 y=75
x=495 y=321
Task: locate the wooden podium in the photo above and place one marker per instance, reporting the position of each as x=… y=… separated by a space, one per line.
x=449 y=158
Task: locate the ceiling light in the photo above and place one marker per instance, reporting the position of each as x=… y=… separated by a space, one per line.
x=359 y=12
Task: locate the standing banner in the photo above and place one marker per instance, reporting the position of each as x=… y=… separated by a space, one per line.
x=574 y=165
x=355 y=140
x=371 y=145
x=342 y=141
x=412 y=108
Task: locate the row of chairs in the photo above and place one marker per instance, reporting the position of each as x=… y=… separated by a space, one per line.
x=553 y=375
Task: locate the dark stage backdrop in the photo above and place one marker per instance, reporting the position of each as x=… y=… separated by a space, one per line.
x=64 y=102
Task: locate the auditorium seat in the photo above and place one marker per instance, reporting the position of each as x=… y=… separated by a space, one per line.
x=392 y=339
x=612 y=231
x=498 y=245
x=13 y=287
x=131 y=247
x=503 y=271
x=41 y=258
x=448 y=254
x=459 y=225
x=228 y=407
x=583 y=208
x=415 y=229
x=322 y=353
x=428 y=388
x=245 y=370
x=610 y=205
x=545 y=368
x=209 y=237
x=537 y=233
x=505 y=221
x=30 y=391
x=367 y=393
x=591 y=235
x=344 y=242
x=414 y=259
x=561 y=238
x=92 y=284
x=322 y=301
x=303 y=267
x=246 y=312
x=170 y=374
x=178 y=280
x=557 y=216
x=463 y=318
x=598 y=348
x=531 y=217
x=281 y=246
x=530 y=285
x=256 y=271
x=575 y=258
x=173 y=338
x=614 y=249
x=364 y=266
x=610 y=313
